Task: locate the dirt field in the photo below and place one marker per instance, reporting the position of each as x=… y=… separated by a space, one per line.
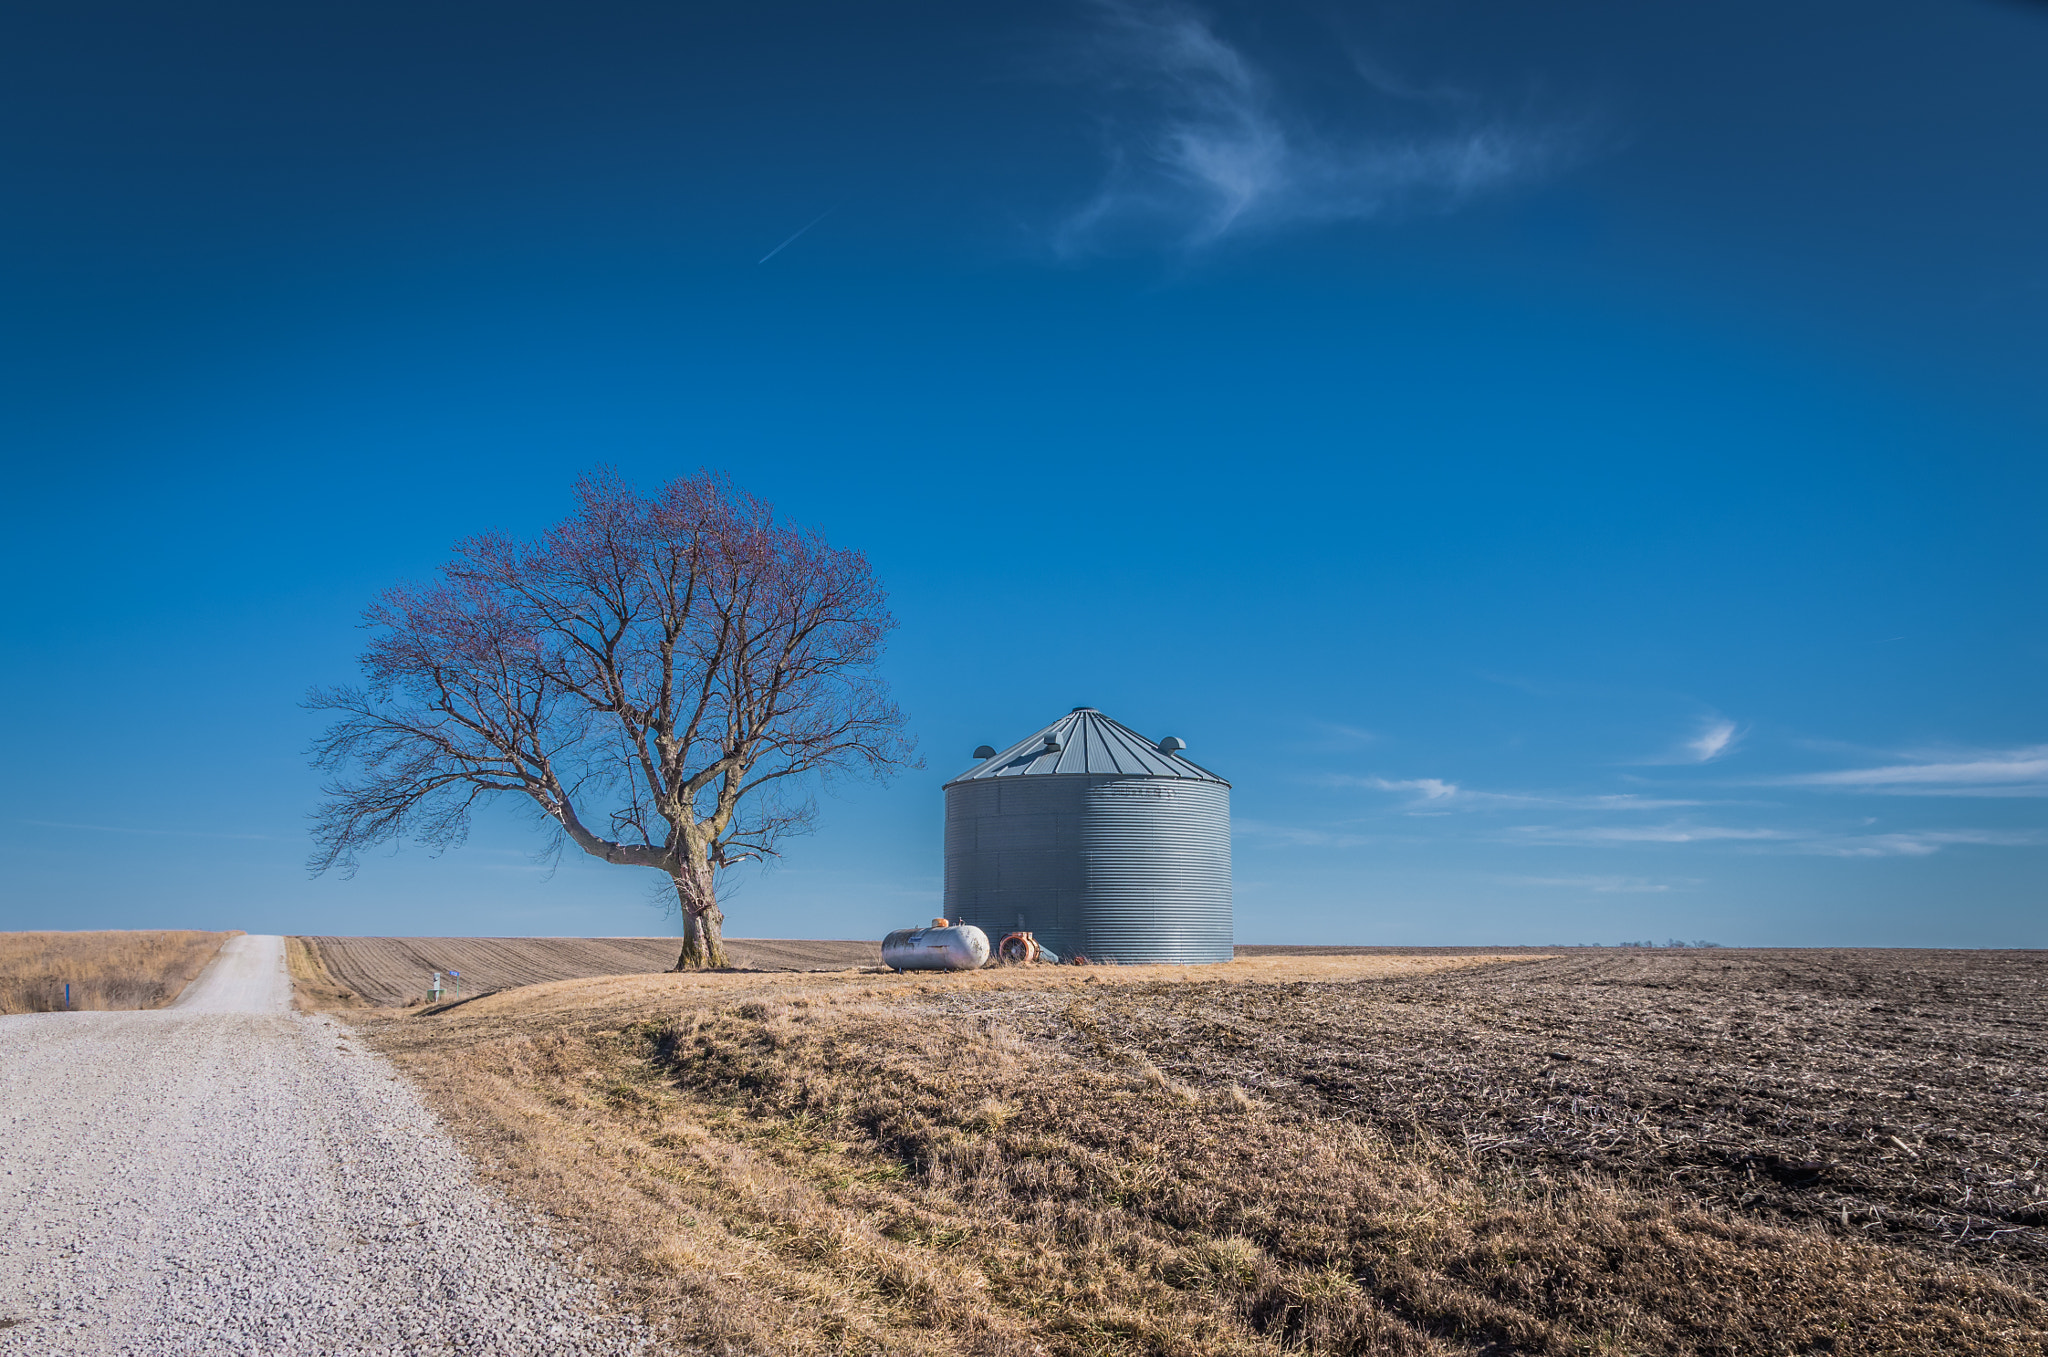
x=116 y=969
x=1599 y=1151
x=1899 y=1092
x=393 y=972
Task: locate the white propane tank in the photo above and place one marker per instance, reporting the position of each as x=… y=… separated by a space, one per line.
x=940 y=947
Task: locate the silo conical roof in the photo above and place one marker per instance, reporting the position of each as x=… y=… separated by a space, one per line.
x=1089 y=742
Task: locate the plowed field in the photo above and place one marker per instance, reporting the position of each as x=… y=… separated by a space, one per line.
x=1711 y=1153
x=392 y=972
x=1888 y=1095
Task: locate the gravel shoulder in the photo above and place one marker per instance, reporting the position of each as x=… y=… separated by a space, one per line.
x=226 y=1176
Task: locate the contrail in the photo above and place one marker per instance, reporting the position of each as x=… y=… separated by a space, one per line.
x=799 y=231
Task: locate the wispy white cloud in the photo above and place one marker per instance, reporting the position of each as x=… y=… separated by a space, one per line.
x=1915 y=844
x=1784 y=824
x=2011 y=772
x=1604 y=885
x=1645 y=834
x=1296 y=836
x=1713 y=741
x=1820 y=843
x=1609 y=801
x=1713 y=736
x=1676 y=834
x=1437 y=793
x=1333 y=737
x=1423 y=788
x=1216 y=149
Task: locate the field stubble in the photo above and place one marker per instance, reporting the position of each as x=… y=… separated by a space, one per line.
x=1895 y=1094
x=1592 y=1152
x=112 y=969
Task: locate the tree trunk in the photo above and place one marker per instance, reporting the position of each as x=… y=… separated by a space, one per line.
x=703 y=921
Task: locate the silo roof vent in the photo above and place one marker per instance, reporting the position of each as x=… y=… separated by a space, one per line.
x=1086 y=741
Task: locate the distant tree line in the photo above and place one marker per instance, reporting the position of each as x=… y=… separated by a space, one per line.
x=1673 y=942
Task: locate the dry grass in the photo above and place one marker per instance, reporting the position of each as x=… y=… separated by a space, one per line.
x=1127 y=1160
x=394 y=972
x=622 y=992
x=314 y=988
x=106 y=970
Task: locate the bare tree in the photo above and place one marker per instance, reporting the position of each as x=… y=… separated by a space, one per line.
x=661 y=679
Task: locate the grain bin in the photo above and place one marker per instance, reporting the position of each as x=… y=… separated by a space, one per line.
x=1098 y=840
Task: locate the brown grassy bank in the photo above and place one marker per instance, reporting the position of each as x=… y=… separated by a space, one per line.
x=314 y=988
x=106 y=970
x=392 y=972
x=1128 y=1161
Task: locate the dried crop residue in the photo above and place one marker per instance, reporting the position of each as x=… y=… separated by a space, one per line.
x=1122 y=1160
x=115 y=969
x=1894 y=1094
x=393 y=972
x=314 y=988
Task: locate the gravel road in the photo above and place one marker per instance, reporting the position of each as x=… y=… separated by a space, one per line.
x=228 y=1176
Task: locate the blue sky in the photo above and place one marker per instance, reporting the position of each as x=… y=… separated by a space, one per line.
x=1578 y=472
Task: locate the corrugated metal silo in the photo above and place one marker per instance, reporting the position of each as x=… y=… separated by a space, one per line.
x=1099 y=841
